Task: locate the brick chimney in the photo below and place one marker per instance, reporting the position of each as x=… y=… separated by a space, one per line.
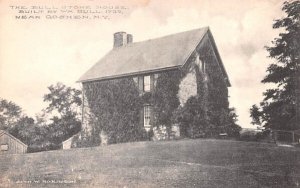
x=122 y=39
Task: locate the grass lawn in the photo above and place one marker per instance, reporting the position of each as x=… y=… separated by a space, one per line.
x=183 y=163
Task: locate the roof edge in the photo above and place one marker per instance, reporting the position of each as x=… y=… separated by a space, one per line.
x=168 y=35
x=188 y=57
x=219 y=58
x=130 y=74
x=216 y=52
x=72 y=136
x=4 y=132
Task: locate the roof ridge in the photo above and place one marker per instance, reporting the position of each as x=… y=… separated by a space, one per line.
x=164 y=36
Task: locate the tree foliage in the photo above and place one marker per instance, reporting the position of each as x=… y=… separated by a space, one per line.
x=64 y=107
x=14 y=121
x=231 y=127
x=10 y=114
x=63 y=99
x=44 y=134
x=191 y=118
x=280 y=106
x=24 y=130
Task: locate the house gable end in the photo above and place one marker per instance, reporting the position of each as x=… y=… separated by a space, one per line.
x=206 y=45
x=218 y=57
x=12 y=137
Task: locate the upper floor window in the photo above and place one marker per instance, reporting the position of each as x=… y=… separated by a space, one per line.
x=147 y=83
x=203 y=66
x=200 y=62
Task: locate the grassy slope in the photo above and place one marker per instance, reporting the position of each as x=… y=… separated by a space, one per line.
x=184 y=163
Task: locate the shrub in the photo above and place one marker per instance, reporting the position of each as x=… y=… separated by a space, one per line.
x=44 y=146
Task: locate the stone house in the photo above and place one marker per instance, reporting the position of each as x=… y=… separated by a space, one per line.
x=145 y=61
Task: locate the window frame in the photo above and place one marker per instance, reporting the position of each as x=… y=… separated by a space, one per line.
x=147 y=116
x=147 y=85
x=4 y=147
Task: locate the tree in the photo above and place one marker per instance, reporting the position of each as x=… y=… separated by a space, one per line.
x=64 y=106
x=191 y=118
x=280 y=106
x=10 y=113
x=16 y=123
x=231 y=128
x=25 y=130
x=63 y=100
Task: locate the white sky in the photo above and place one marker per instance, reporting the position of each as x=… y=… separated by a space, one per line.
x=37 y=53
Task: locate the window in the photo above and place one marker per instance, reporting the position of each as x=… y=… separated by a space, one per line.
x=198 y=61
x=203 y=66
x=147 y=115
x=4 y=147
x=146 y=83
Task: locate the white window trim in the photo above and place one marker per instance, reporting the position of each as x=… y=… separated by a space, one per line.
x=147 y=117
x=4 y=147
x=203 y=66
x=147 y=83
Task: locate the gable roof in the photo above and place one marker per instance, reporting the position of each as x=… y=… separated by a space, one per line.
x=71 y=137
x=2 y=132
x=152 y=55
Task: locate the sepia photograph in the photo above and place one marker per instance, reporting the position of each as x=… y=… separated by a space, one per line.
x=150 y=93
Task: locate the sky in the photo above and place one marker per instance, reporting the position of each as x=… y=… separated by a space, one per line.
x=35 y=53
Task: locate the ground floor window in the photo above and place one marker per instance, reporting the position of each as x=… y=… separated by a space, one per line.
x=147 y=115
x=4 y=147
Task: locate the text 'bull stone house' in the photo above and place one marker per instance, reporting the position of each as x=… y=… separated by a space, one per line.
x=167 y=73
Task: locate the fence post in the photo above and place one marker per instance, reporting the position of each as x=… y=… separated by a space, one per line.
x=275 y=136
